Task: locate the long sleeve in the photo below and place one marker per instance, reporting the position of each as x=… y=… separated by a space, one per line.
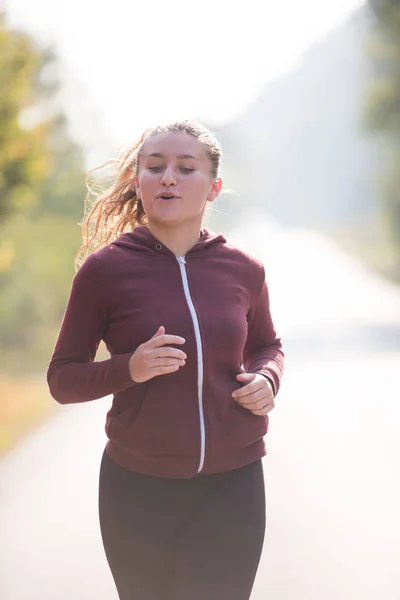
x=72 y=375
x=263 y=350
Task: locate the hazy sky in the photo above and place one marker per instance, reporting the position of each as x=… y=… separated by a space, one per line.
x=136 y=63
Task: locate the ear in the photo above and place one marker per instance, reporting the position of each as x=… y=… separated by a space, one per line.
x=215 y=190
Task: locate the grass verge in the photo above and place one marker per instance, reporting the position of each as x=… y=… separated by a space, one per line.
x=24 y=403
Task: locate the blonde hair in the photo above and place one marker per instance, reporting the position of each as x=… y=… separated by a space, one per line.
x=117 y=209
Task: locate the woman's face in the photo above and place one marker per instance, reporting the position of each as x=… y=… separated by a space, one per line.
x=174 y=179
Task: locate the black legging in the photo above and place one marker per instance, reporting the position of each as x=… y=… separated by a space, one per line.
x=182 y=539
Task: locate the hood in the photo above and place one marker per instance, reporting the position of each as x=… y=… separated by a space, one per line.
x=142 y=240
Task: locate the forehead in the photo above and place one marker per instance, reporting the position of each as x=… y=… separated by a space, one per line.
x=172 y=144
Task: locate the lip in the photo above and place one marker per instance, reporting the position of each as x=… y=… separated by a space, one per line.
x=173 y=196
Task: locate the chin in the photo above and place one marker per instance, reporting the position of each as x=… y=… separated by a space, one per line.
x=169 y=219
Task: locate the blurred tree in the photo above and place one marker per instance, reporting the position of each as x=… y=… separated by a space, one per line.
x=382 y=112
x=24 y=155
x=41 y=199
x=64 y=189
x=41 y=168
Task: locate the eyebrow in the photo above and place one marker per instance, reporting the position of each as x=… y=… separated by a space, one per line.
x=158 y=155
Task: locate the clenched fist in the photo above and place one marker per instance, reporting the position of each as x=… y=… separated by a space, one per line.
x=256 y=395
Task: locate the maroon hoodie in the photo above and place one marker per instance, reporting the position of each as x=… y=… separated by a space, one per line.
x=215 y=297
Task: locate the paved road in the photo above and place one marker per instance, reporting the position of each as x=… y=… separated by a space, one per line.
x=332 y=471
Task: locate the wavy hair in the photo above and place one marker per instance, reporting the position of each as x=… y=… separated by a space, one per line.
x=117 y=209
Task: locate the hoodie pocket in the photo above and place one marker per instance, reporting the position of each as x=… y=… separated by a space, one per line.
x=167 y=423
x=125 y=409
x=233 y=426
x=244 y=428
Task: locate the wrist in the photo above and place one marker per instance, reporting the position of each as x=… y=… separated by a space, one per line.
x=270 y=381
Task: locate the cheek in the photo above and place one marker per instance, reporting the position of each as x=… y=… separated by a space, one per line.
x=202 y=185
x=146 y=180
x=147 y=185
x=146 y=188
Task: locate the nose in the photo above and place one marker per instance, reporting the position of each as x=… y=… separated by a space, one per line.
x=168 y=177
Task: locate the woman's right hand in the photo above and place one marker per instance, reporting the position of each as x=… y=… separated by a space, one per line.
x=155 y=358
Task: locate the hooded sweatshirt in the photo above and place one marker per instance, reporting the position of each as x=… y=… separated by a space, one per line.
x=216 y=298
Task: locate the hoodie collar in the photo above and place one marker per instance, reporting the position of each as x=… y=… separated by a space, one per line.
x=143 y=241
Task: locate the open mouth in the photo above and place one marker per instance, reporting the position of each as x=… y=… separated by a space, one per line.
x=167 y=197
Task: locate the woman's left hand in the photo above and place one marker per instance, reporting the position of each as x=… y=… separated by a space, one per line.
x=256 y=395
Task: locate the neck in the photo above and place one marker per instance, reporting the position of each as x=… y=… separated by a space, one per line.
x=177 y=239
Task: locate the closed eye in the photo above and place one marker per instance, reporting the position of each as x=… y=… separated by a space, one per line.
x=159 y=168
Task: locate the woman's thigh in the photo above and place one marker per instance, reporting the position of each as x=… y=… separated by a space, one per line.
x=182 y=539
x=136 y=536
x=220 y=549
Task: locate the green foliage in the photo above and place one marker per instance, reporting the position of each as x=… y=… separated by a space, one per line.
x=382 y=107
x=36 y=284
x=41 y=200
x=387 y=15
x=63 y=191
x=391 y=202
x=24 y=156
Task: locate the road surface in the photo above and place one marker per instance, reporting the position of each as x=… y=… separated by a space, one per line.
x=332 y=472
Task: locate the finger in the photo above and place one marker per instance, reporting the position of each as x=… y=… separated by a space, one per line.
x=164 y=339
x=255 y=404
x=166 y=362
x=163 y=370
x=166 y=351
x=264 y=410
x=160 y=331
x=245 y=377
x=255 y=399
x=250 y=388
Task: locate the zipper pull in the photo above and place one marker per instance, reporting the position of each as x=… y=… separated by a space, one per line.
x=181 y=259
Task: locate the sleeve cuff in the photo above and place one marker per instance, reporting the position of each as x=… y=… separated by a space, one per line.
x=270 y=379
x=121 y=375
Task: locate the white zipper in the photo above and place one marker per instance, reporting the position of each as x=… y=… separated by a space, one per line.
x=182 y=262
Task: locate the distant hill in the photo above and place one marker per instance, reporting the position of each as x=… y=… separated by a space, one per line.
x=298 y=152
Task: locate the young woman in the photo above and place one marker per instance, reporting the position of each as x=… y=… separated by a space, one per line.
x=195 y=365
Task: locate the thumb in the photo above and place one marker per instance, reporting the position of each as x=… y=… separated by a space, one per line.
x=160 y=331
x=245 y=377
